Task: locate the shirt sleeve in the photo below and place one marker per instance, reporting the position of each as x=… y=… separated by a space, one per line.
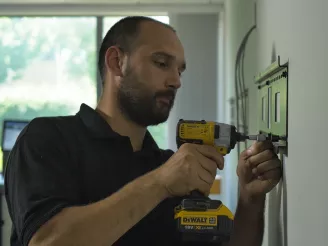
x=40 y=180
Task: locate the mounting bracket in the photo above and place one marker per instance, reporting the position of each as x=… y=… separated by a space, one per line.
x=272 y=87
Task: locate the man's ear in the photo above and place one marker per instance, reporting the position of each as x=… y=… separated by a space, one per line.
x=114 y=61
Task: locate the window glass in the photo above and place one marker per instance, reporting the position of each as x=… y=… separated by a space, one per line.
x=47 y=66
x=159 y=132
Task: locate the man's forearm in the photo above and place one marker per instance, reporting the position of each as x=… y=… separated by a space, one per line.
x=104 y=222
x=249 y=223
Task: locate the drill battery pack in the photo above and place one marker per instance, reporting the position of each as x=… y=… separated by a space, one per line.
x=204 y=220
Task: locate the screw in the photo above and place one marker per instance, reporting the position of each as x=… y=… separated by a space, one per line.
x=284 y=74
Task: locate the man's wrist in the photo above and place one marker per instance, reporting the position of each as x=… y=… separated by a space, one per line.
x=251 y=208
x=249 y=200
x=159 y=186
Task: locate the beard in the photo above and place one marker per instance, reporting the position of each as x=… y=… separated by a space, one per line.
x=140 y=104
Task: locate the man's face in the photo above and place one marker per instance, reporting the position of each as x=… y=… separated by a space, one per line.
x=151 y=77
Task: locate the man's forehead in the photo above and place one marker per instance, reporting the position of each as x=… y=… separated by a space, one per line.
x=148 y=27
x=160 y=40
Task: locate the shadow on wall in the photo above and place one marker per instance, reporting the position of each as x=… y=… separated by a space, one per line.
x=277 y=213
x=274 y=210
x=277 y=200
x=273 y=53
x=285 y=232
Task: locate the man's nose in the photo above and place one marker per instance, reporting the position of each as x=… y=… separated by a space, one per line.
x=174 y=80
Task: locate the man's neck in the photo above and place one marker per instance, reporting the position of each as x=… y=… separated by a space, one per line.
x=121 y=125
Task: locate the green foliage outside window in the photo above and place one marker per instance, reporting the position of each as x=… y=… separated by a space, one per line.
x=48 y=67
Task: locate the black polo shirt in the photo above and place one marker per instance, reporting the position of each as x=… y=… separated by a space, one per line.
x=59 y=162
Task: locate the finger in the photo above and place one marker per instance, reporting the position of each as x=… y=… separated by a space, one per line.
x=254 y=149
x=204 y=187
x=245 y=154
x=274 y=174
x=205 y=176
x=263 y=156
x=258 y=147
x=266 y=166
x=211 y=153
x=244 y=173
x=208 y=164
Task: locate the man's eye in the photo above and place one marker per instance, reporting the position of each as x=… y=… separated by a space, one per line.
x=161 y=64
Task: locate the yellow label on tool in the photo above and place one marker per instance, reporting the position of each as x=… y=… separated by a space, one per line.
x=199 y=220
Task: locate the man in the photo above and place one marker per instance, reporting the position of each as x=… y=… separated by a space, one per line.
x=98 y=178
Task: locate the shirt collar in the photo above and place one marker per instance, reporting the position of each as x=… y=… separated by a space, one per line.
x=99 y=128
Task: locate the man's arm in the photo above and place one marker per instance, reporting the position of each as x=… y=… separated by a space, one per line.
x=259 y=171
x=248 y=223
x=43 y=194
x=104 y=222
x=43 y=191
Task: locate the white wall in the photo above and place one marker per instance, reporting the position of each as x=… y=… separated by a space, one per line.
x=197 y=98
x=239 y=18
x=298 y=31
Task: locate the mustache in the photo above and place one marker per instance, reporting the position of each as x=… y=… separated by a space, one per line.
x=167 y=93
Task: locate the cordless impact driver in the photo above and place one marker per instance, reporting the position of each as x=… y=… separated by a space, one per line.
x=200 y=218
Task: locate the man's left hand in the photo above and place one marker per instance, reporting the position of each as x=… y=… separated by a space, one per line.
x=259 y=170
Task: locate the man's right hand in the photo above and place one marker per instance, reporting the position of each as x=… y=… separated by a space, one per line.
x=192 y=167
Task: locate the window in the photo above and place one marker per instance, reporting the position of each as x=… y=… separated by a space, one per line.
x=48 y=66
x=159 y=132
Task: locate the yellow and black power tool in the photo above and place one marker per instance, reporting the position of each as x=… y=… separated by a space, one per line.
x=200 y=218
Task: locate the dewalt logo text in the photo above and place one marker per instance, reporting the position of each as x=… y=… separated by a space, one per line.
x=201 y=220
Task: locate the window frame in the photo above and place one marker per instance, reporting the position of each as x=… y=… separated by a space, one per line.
x=85 y=8
x=102 y=10
x=99 y=37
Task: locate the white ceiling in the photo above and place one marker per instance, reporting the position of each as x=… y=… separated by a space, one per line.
x=112 y=1
x=105 y=7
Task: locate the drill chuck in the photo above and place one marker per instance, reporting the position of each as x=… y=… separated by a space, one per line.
x=241 y=137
